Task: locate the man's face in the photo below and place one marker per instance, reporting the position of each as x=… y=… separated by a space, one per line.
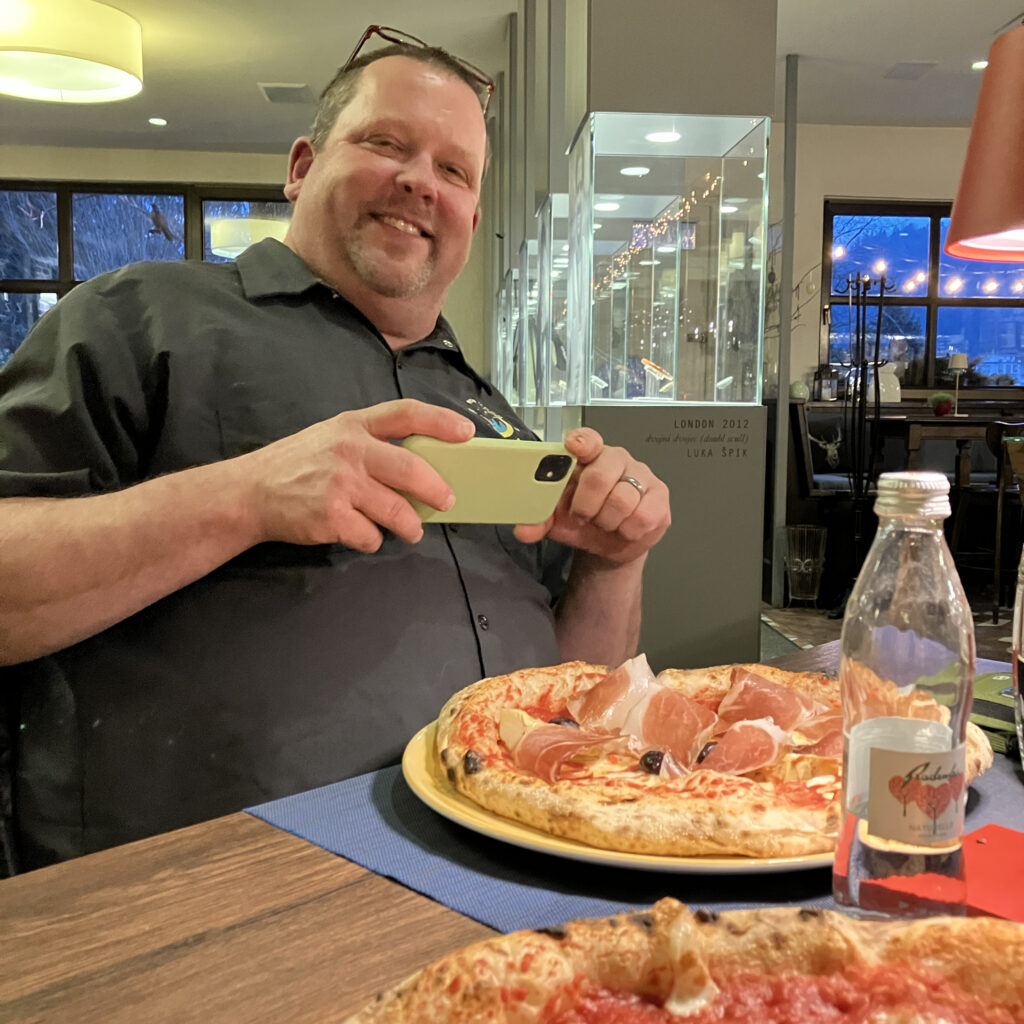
x=389 y=203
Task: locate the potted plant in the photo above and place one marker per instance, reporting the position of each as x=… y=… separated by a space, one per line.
x=941 y=403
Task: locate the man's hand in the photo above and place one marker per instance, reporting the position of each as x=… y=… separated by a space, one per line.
x=614 y=507
x=338 y=481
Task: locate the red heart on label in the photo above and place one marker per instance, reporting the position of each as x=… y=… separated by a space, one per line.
x=933 y=800
x=956 y=786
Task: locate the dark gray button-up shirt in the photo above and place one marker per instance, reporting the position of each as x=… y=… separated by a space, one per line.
x=289 y=667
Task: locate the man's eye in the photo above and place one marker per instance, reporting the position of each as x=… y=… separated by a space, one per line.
x=455 y=172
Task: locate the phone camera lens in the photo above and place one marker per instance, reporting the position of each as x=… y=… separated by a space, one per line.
x=552 y=468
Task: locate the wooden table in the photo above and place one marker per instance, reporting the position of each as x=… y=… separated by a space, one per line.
x=230 y=920
x=917 y=427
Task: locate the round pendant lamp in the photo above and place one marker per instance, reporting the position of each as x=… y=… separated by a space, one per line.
x=231 y=236
x=68 y=51
x=988 y=216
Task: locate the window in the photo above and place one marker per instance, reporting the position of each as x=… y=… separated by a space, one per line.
x=55 y=235
x=934 y=304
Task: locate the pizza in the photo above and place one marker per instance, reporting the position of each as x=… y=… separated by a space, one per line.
x=783 y=964
x=732 y=760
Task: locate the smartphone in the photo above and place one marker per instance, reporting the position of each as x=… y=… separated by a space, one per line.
x=495 y=481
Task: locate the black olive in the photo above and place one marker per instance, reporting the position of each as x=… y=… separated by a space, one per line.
x=472 y=762
x=562 y=720
x=651 y=761
x=708 y=747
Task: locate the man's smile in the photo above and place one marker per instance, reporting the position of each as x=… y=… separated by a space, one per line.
x=399 y=223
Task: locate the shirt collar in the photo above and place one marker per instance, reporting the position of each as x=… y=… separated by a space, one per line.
x=270 y=268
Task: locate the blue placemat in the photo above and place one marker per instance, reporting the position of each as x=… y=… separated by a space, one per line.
x=377 y=821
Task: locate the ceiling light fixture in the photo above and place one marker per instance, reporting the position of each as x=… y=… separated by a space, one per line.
x=662 y=136
x=160 y=122
x=635 y=172
x=726 y=208
x=979 y=65
x=606 y=207
x=69 y=51
x=987 y=222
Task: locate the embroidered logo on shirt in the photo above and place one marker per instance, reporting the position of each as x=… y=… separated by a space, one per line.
x=499 y=425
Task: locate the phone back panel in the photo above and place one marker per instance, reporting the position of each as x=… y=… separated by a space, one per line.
x=494 y=480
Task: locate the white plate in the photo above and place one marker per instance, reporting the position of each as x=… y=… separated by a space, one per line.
x=425 y=779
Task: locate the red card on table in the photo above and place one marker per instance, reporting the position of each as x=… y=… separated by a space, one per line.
x=994 y=868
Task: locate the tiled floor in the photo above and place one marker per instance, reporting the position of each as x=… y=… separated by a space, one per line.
x=809 y=626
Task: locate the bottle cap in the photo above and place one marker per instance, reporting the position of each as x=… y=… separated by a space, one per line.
x=913 y=492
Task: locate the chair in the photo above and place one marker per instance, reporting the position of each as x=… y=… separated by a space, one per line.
x=998 y=438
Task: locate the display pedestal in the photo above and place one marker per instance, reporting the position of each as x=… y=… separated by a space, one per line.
x=702 y=582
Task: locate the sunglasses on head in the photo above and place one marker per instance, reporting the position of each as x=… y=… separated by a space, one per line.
x=484 y=83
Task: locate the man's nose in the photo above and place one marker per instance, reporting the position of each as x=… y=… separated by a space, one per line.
x=417 y=176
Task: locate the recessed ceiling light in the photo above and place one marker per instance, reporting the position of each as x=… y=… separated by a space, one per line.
x=725 y=208
x=635 y=172
x=606 y=207
x=979 y=65
x=649 y=263
x=665 y=248
x=596 y=226
x=158 y=121
x=662 y=136
x=735 y=200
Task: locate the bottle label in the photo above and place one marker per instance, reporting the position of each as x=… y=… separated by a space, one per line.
x=916 y=797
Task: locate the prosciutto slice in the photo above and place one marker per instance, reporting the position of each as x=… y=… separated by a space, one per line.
x=752 y=696
x=606 y=705
x=543 y=748
x=747 y=746
x=669 y=720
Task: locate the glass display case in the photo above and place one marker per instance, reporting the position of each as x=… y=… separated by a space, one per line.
x=653 y=264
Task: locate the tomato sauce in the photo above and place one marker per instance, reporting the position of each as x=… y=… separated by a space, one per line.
x=857 y=995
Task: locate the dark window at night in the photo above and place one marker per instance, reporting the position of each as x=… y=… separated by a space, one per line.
x=935 y=305
x=55 y=235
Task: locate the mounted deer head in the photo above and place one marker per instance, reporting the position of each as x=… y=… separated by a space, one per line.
x=831 y=447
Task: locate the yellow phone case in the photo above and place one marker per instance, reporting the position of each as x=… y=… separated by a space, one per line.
x=494 y=480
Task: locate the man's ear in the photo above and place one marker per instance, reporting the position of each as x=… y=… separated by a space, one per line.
x=299 y=161
x=476 y=219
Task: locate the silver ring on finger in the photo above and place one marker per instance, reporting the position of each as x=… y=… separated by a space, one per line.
x=633 y=482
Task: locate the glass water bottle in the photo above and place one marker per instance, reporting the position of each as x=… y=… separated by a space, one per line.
x=907 y=681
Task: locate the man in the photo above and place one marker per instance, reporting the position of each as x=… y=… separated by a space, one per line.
x=210 y=587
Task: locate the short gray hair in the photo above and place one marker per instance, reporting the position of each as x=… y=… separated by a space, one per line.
x=341 y=89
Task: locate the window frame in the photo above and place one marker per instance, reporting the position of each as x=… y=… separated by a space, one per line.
x=932 y=301
x=194 y=196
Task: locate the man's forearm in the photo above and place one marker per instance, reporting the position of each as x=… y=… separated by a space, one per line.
x=70 y=567
x=598 y=618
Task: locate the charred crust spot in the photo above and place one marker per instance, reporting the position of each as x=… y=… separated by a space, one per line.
x=705 y=916
x=778 y=940
x=444 y=756
x=451 y=774
x=733 y=929
x=379 y=997
x=555 y=931
x=806 y=913
x=644 y=921
x=472 y=762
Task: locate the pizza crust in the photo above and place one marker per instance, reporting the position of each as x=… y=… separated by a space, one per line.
x=791 y=810
x=676 y=958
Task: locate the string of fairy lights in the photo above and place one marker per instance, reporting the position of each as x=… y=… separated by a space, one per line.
x=953 y=284
x=658 y=228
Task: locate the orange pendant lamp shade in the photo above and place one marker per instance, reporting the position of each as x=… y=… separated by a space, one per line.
x=988 y=215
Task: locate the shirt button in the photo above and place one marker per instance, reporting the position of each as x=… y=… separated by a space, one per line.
x=481 y=621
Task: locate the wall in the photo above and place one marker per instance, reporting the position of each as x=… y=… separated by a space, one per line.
x=845 y=161
x=464 y=308
x=832 y=161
